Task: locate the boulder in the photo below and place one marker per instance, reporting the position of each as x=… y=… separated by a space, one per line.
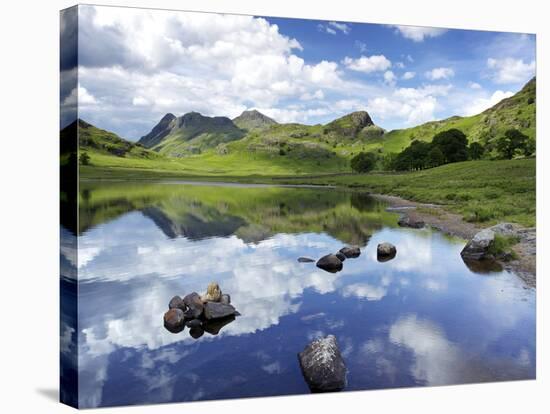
x=213 y=293
x=385 y=251
x=322 y=365
x=213 y=326
x=340 y=256
x=407 y=221
x=215 y=310
x=196 y=332
x=225 y=298
x=177 y=302
x=194 y=304
x=351 y=251
x=330 y=263
x=478 y=248
x=193 y=323
x=303 y=259
x=174 y=320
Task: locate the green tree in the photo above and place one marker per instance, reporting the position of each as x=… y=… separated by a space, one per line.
x=512 y=142
x=388 y=161
x=476 y=150
x=435 y=157
x=84 y=159
x=414 y=157
x=453 y=144
x=530 y=147
x=363 y=162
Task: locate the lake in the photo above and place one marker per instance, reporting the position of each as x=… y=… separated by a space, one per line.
x=421 y=319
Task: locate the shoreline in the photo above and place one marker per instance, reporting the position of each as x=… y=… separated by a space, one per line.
x=453 y=224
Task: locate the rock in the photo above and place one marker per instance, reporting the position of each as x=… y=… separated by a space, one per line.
x=407 y=221
x=303 y=259
x=215 y=310
x=351 y=251
x=322 y=365
x=385 y=251
x=340 y=256
x=196 y=332
x=483 y=266
x=177 y=302
x=505 y=229
x=193 y=323
x=225 y=298
x=195 y=306
x=478 y=247
x=213 y=326
x=330 y=263
x=213 y=293
x=174 y=320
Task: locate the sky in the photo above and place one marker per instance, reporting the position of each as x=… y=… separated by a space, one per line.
x=136 y=65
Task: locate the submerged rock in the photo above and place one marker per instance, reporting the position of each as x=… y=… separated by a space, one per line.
x=194 y=304
x=225 y=298
x=330 y=263
x=407 y=221
x=385 y=251
x=479 y=247
x=322 y=365
x=213 y=326
x=351 y=252
x=196 y=332
x=303 y=259
x=213 y=293
x=177 y=302
x=193 y=323
x=174 y=320
x=216 y=310
x=340 y=256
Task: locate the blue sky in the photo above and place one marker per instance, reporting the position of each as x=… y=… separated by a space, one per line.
x=135 y=65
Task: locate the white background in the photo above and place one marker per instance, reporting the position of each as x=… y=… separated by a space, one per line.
x=29 y=204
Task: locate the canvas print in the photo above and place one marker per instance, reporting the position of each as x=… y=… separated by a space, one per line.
x=256 y=206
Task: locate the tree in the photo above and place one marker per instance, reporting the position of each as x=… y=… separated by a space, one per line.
x=512 y=141
x=388 y=161
x=84 y=159
x=414 y=157
x=476 y=150
x=435 y=157
x=453 y=144
x=530 y=147
x=363 y=162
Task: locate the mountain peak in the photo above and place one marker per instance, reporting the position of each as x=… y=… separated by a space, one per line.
x=351 y=124
x=253 y=119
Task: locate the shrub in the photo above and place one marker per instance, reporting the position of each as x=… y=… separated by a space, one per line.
x=363 y=162
x=84 y=159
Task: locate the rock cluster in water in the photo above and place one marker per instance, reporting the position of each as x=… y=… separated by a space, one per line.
x=322 y=365
x=208 y=313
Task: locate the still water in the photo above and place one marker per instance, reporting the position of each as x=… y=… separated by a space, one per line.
x=421 y=319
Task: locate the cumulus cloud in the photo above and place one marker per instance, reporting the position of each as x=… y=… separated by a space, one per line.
x=408 y=75
x=510 y=70
x=418 y=34
x=389 y=77
x=481 y=104
x=440 y=73
x=367 y=64
x=474 y=85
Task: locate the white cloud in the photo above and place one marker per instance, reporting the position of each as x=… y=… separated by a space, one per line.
x=334 y=27
x=362 y=46
x=140 y=101
x=400 y=65
x=481 y=104
x=418 y=34
x=440 y=73
x=389 y=77
x=408 y=75
x=474 y=85
x=367 y=64
x=511 y=70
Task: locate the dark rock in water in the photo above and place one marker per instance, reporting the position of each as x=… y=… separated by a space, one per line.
x=304 y=259
x=351 y=252
x=385 y=251
x=407 y=221
x=322 y=365
x=196 y=332
x=193 y=323
x=483 y=266
x=213 y=326
x=225 y=298
x=215 y=310
x=174 y=320
x=340 y=256
x=195 y=305
x=177 y=302
x=479 y=247
x=330 y=263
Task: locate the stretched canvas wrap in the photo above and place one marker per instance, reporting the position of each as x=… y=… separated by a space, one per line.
x=256 y=206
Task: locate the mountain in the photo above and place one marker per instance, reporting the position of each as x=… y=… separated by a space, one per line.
x=517 y=111
x=356 y=125
x=190 y=133
x=95 y=140
x=253 y=120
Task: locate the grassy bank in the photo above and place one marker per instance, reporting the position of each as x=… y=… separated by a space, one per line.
x=481 y=191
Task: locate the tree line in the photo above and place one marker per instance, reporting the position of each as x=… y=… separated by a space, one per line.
x=446 y=147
